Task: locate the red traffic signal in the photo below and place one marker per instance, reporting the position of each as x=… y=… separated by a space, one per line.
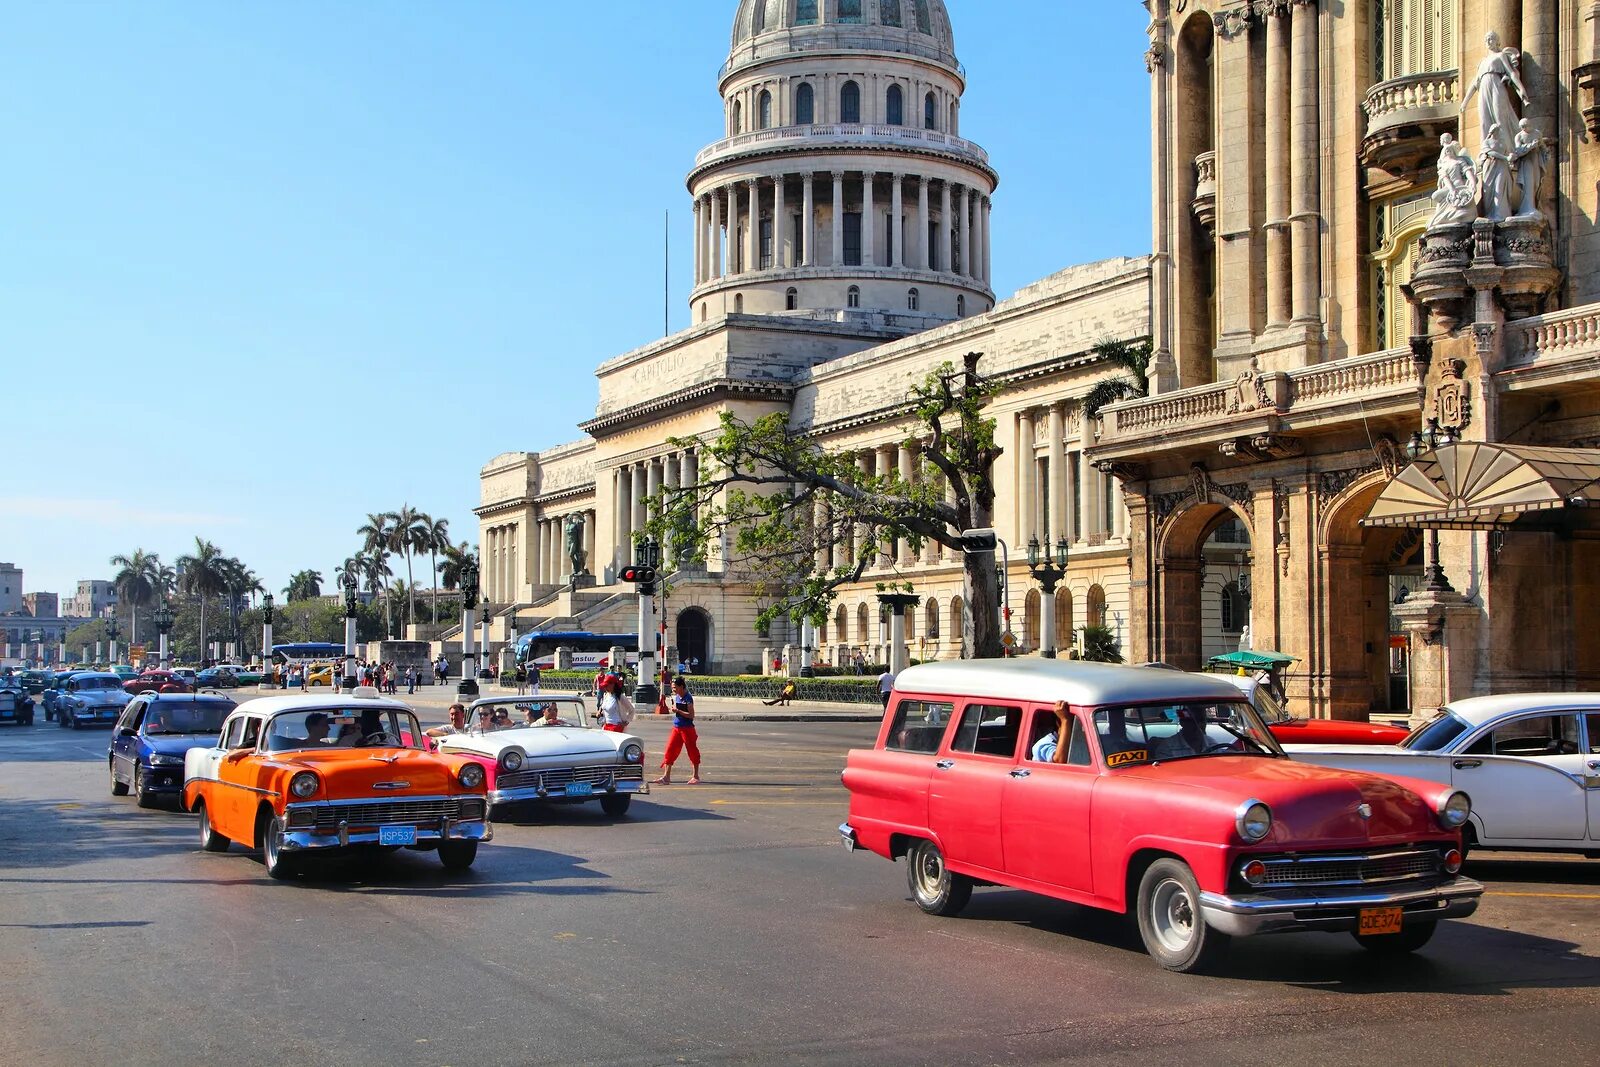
x=639 y=575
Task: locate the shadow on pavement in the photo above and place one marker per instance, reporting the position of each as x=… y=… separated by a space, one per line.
x=43 y=833
x=1505 y=867
x=640 y=811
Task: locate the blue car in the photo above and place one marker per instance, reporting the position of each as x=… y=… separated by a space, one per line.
x=15 y=703
x=90 y=699
x=56 y=689
x=154 y=732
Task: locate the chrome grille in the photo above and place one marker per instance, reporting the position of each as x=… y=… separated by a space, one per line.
x=559 y=777
x=1347 y=869
x=387 y=812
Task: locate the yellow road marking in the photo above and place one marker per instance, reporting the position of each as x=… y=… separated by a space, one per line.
x=1546 y=896
x=774 y=803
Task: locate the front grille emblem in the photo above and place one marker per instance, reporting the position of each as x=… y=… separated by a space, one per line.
x=390 y=785
x=1364 y=810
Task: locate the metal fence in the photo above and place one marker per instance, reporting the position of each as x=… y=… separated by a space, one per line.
x=808 y=690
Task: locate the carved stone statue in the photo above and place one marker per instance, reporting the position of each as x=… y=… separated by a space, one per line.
x=1498 y=74
x=574 y=537
x=1494 y=173
x=1457 y=194
x=1530 y=155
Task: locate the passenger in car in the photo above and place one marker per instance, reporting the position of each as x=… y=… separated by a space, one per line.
x=1052 y=747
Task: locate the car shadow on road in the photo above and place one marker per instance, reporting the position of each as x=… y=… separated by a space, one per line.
x=44 y=833
x=500 y=871
x=1578 y=872
x=641 y=811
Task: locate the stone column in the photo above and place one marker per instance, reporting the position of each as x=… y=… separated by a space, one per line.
x=836 y=255
x=640 y=517
x=988 y=241
x=699 y=243
x=1059 y=501
x=780 y=224
x=977 y=236
x=808 y=225
x=908 y=472
x=887 y=468
x=752 y=228
x=1303 y=175
x=897 y=237
x=822 y=559
x=920 y=242
x=945 y=552
x=869 y=220
x=946 y=227
x=1505 y=18
x=1119 y=508
x=1278 y=105
x=622 y=520
x=653 y=474
x=1540 y=62
x=716 y=233
x=1027 y=473
x=862 y=533
x=1092 y=524
x=590 y=535
x=965 y=208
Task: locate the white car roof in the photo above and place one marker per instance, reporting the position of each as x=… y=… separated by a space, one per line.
x=270 y=706
x=1476 y=711
x=1049 y=680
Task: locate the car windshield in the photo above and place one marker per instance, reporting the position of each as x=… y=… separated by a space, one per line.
x=1436 y=734
x=346 y=727
x=1156 y=733
x=85 y=684
x=521 y=714
x=1269 y=707
x=187 y=717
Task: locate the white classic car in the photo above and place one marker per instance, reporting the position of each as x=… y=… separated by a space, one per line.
x=1530 y=762
x=544 y=749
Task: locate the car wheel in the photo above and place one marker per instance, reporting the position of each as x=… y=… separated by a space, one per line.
x=141 y=791
x=457 y=855
x=1411 y=937
x=278 y=863
x=210 y=840
x=68 y=722
x=616 y=804
x=1170 y=922
x=118 y=789
x=933 y=887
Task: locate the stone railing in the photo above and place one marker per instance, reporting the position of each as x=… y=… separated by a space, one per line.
x=1561 y=333
x=1396 y=99
x=1363 y=376
x=1205 y=189
x=787 y=136
x=1194 y=406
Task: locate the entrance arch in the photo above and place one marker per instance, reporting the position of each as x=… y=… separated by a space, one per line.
x=694 y=638
x=1194 y=565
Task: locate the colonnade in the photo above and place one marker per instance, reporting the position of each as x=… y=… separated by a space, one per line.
x=728 y=244
x=546 y=558
x=1058 y=493
x=635 y=483
x=498 y=565
x=551 y=563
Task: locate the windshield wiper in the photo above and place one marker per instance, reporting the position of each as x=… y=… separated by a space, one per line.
x=1261 y=749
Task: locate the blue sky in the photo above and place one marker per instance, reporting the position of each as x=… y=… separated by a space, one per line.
x=271 y=266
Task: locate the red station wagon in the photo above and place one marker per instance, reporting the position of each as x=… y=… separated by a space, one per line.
x=1157 y=793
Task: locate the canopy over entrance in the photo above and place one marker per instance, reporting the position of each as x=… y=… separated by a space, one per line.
x=1471 y=486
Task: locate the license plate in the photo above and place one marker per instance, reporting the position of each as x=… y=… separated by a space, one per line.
x=1380 y=921
x=397 y=835
x=580 y=789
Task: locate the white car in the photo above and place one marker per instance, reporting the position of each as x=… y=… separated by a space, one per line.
x=1530 y=762
x=552 y=751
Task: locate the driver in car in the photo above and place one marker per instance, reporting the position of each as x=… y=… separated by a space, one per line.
x=1190 y=740
x=550 y=718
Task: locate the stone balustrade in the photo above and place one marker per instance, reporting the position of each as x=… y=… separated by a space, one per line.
x=845 y=133
x=1561 y=334
x=1363 y=376
x=1395 y=100
x=1405 y=117
x=1185 y=407
x=1205 y=189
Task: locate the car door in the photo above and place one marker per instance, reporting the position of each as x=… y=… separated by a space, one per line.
x=1044 y=808
x=896 y=774
x=125 y=749
x=1525 y=784
x=968 y=781
x=1591 y=767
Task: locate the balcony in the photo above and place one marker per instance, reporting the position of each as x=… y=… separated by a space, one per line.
x=1405 y=117
x=840 y=135
x=1205 y=190
x=1556 y=350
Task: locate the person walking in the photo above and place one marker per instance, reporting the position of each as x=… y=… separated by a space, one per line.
x=533 y=677
x=521 y=676
x=411 y=680
x=615 y=707
x=885 y=685
x=683 y=737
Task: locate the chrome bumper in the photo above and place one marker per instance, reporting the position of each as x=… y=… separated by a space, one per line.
x=1336 y=909
x=304 y=840
x=559 y=792
x=848 y=833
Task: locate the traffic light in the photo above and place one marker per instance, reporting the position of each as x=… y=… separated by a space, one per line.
x=639 y=575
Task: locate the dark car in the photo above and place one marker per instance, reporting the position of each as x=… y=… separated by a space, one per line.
x=91 y=699
x=148 y=745
x=35 y=681
x=217 y=678
x=15 y=703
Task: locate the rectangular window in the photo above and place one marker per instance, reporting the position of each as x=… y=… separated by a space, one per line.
x=766 y=244
x=852 y=238
x=933 y=246
x=798 y=228
x=1594 y=735
x=988 y=730
x=1045 y=733
x=805 y=13
x=1541 y=735
x=918 y=725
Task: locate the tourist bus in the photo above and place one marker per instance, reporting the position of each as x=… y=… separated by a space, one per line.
x=307 y=652
x=589 y=651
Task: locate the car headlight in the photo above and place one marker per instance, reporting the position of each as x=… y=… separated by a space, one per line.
x=1253 y=820
x=511 y=759
x=303 y=784
x=471 y=776
x=1453 y=813
x=158 y=760
x=633 y=752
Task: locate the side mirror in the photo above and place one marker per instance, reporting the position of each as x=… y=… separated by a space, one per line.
x=128 y=731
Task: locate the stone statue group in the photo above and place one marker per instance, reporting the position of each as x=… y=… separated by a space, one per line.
x=1506 y=179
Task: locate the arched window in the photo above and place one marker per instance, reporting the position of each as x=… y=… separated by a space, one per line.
x=911 y=626
x=930 y=112
x=805 y=105
x=1030 y=620
x=890 y=10
x=850 y=103
x=761 y=16
x=852 y=297
x=849 y=10
x=961 y=306
x=958 y=611
x=738 y=117
x=953 y=126
x=805 y=13
x=841 y=623
x=924 y=23
x=791 y=299
x=1095 y=613
x=861 y=625
x=896 y=107
x=703 y=310
x=766 y=110
x=1063 y=619
x=930 y=620
x=738 y=303
x=913 y=300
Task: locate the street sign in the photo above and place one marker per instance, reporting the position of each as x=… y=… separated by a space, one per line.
x=135 y=653
x=1008 y=639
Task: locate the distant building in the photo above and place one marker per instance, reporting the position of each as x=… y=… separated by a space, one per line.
x=10 y=588
x=42 y=605
x=94 y=598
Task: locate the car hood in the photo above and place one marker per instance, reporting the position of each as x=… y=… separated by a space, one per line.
x=356 y=772
x=1309 y=803
x=101 y=698
x=178 y=744
x=539 y=742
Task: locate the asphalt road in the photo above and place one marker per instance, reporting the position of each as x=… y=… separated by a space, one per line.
x=717 y=924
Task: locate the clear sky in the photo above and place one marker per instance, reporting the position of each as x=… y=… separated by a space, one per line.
x=269 y=266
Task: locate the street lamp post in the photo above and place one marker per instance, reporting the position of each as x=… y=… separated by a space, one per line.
x=267 y=681
x=113 y=631
x=164 y=619
x=485 y=617
x=349 y=683
x=647 y=558
x=894 y=605
x=1048 y=573
x=467 y=688
x=1422 y=442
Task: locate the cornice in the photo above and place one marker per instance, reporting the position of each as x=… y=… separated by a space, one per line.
x=695 y=395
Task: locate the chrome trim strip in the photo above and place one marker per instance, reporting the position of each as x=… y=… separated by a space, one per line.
x=304 y=841
x=558 y=792
x=1266 y=913
x=848 y=832
x=384 y=801
x=232 y=785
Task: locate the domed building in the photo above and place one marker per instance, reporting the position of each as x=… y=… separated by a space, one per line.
x=842 y=183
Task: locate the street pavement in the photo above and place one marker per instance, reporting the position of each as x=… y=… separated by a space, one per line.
x=717 y=924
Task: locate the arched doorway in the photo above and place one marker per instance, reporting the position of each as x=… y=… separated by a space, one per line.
x=862 y=631
x=958 y=622
x=1225 y=589
x=1064 y=622
x=694 y=639
x=1030 y=620
x=1204 y=548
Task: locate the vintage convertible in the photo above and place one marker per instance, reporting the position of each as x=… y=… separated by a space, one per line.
x=15 y=703
x=551 y=750
x=295 y=775
x=1530 y=761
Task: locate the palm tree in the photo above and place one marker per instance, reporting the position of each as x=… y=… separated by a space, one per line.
x=1100 y=645
x=138 y=583
x=438 y=539
x=408 y=530
x=455 y=557
x=204 y=576
x=377 y=539
x=304 y=585
x=1133 y=357
x=375 y=570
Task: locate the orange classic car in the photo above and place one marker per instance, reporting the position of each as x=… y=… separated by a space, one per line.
x=296 y=775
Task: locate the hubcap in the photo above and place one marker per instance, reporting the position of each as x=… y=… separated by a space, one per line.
x=1172 y=915
x=930 y=874
x=205 y=826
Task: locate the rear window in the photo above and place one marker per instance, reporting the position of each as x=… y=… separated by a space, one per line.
x=918 y=725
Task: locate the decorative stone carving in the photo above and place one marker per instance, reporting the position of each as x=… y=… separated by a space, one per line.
x=1263 y=447
x=1390 y=457
x=1249 y=391
x=1122 y=472
x=1280 y=506
x=1155 y=57
x=1200 y=482
x=1499 y=72
x=1530 y=155
x=1452 y=397
x=1458 y=188
x=1331 y=483
x=1233 y=22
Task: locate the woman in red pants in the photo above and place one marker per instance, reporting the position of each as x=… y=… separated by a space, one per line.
x=682 y=738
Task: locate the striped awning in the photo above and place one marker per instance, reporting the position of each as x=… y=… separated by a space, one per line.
x=1470 y=486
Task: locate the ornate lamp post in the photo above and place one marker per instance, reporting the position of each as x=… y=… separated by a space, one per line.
x=1048 y=573
x=349 y=633
x=467 y=688
x=113 y=631
x=164 y=619
x=647 y=555
x=267 y=679
x=1422 y=442
x=485 y=617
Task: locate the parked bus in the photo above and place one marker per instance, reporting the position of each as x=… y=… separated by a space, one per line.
x=589 y=651
x=307 y=652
